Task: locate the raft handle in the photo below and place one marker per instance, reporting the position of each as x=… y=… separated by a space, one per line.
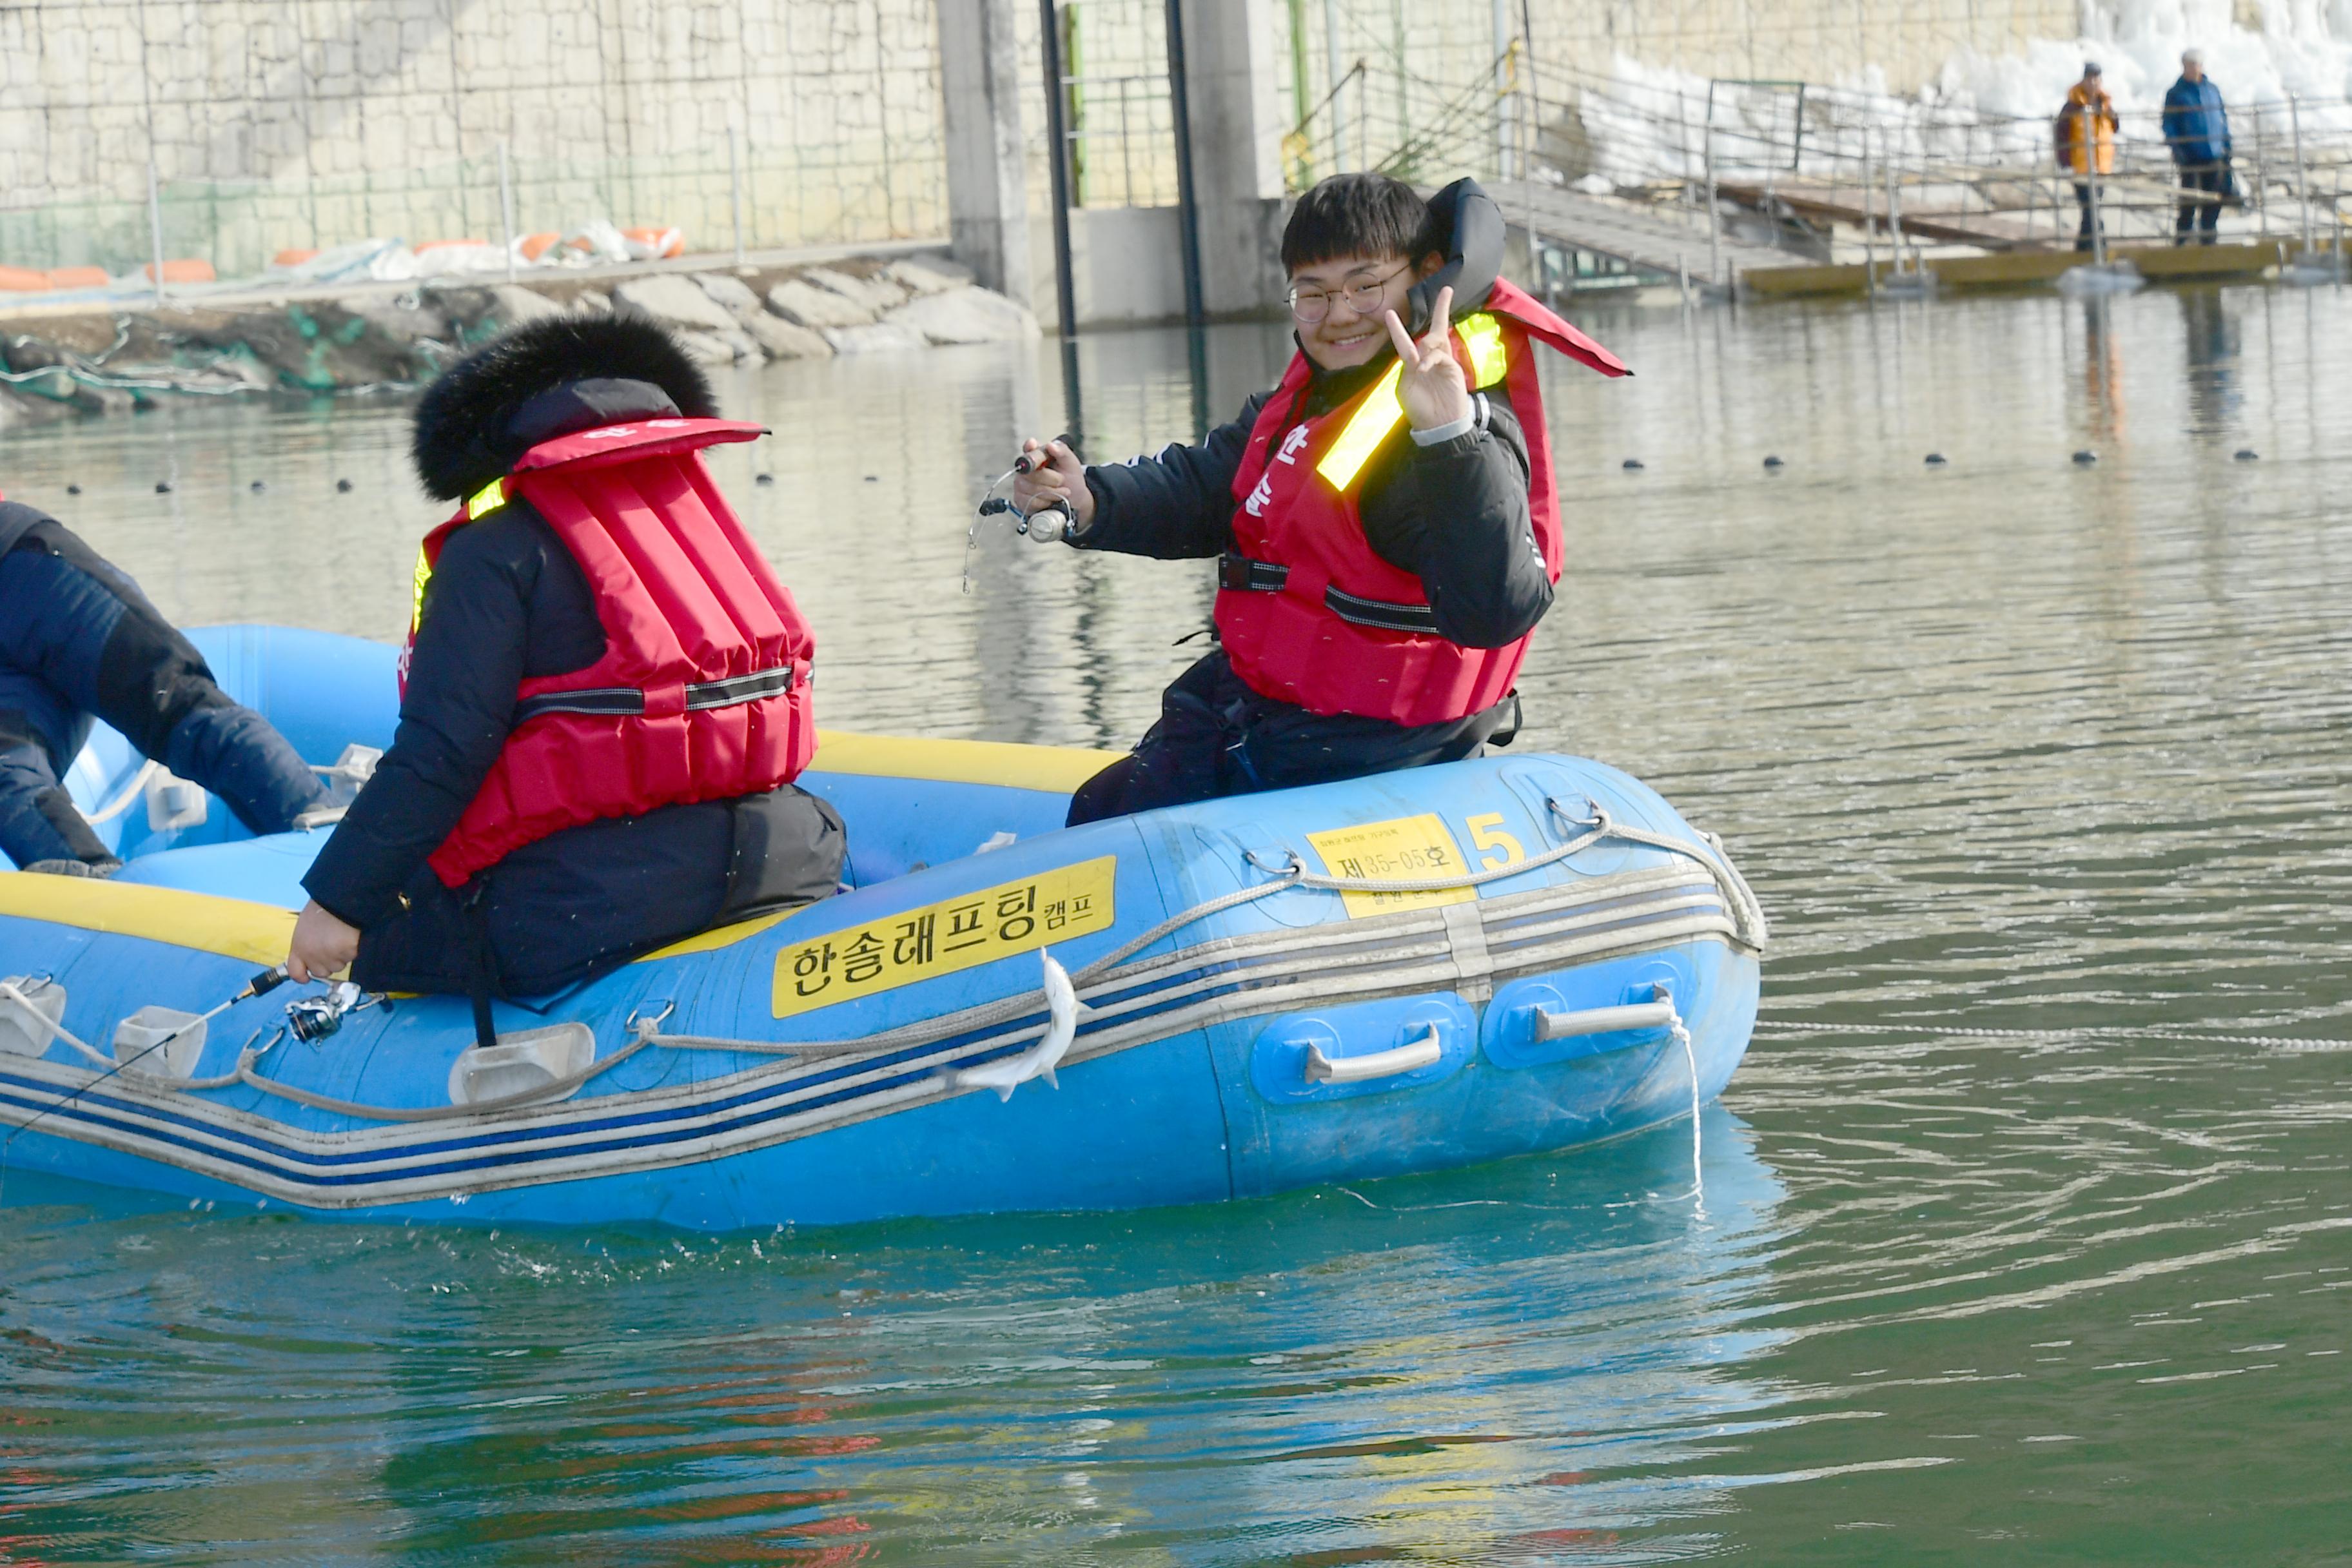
x=1655 y=1014
x=1404 y=1059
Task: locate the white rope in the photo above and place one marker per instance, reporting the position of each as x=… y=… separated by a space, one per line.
x=2124 y=1031
x=130 y=792
x=552 y=1090
x=648 y=1031
x=40 y=1020
x=1293 y=874
x=1690 y=1055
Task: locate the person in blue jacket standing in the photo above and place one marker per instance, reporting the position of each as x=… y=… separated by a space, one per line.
x=2197 y=128
x=78 y=641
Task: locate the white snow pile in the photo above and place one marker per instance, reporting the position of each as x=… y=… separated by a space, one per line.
x=1649 y=122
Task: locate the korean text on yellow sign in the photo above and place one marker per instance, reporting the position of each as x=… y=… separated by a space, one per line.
x=1403 y=849
x=908 y=945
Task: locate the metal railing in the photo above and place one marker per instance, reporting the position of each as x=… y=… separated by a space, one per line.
x=1823 y=171
x=1117 y=114
x=729 y=198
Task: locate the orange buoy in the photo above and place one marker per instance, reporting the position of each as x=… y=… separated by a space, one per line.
x=77 y=277
x=292 y=257
x=535 y=246
x=24 y=280
x=182 y=270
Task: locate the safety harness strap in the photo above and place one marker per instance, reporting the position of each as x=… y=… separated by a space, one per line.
x=756 y=687
x=1242 y=574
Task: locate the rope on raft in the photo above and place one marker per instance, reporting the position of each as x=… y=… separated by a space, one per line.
x=1291 y=875
x=1294 y=874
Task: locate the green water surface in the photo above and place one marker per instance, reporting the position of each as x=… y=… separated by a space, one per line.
x=2010 y=744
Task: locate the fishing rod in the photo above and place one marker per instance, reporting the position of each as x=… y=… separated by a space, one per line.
x=261 y=984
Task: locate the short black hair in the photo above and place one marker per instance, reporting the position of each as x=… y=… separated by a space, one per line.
x=1358 y=214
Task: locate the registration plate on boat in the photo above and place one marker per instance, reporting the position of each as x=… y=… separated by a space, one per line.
x=908 y=945
x=1403 y=849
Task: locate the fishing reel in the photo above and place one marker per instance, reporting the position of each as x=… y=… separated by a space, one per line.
x=313 y=1019
x=1046 y=525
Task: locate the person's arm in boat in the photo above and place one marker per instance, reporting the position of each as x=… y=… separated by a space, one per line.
x=470 y=658
x=1455 y=514
x=1177 y=505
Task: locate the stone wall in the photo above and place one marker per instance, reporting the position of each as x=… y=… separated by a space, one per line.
x=324 y=121
x=289 y=124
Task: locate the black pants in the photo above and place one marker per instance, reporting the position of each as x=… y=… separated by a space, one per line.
x=78 y=639
x=2203 y=188
x=2090 y=224
x=1217 y=737
x=589 y=898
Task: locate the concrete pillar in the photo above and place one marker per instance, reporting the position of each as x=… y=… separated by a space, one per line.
x=1236 y=154
x=981 y=83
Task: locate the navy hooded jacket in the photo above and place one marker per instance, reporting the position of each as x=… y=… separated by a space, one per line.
x=2196 y=126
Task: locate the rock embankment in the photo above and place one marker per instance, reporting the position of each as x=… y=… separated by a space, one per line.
x=61 y=365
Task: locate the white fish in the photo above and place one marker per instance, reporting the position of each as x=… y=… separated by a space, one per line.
x=1040 y=1059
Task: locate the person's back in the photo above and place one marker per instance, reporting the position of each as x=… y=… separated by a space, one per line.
x=2086 y=126
x=80 y=642
x=605 y=693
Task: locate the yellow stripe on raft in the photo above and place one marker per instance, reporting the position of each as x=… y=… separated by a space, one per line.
x=234 y=927
x=239 y=928
x=1056 y=769
x=717 y=937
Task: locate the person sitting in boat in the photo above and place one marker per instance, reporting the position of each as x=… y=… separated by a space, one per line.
x=80 y=642
x=604 y=695
x=1385 y=520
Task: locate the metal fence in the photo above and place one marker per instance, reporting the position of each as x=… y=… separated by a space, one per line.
x=1116 y=110
x=1810 y=156
x=729 y=198
x=819 y=123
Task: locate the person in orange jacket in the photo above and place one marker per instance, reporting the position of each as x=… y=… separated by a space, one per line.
x=2087 y=142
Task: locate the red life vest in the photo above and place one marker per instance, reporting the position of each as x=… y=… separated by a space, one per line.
x=703 y=692
x=1306 y=611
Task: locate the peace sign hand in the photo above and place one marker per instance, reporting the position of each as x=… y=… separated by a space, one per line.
x=1433 y=389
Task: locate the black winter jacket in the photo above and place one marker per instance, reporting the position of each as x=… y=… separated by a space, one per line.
x=1456 y=515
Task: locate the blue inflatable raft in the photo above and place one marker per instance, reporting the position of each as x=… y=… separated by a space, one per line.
x=1397 y=973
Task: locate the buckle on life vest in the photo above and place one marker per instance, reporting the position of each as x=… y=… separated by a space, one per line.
x=1417 y=620
x=1244 y=575
x=628 y=702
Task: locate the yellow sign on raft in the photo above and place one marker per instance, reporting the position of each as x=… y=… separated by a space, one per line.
x=1402 y=849
x=938 y=939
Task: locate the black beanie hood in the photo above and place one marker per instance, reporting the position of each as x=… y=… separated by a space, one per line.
x=467 y=430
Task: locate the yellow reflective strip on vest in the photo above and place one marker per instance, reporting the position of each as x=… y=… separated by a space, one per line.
x=1365 y=430
x=416 y=607
x=1483 y=336
x=487 y=499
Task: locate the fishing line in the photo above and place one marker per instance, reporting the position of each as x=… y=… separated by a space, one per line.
x=993 y=505
x=261 y=984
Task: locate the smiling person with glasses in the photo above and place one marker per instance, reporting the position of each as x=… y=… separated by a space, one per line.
x=1385 y=520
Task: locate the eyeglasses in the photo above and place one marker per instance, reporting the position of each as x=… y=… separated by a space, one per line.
x=1311 y=305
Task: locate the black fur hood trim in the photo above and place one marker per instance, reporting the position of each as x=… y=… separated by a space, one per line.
x=465 y=425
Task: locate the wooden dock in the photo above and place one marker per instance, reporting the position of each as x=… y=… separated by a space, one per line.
x=2023 y=269
x=1665 y=239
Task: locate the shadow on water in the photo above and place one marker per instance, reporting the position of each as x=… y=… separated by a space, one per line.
x=2006 y=742
x=1536 y=1355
